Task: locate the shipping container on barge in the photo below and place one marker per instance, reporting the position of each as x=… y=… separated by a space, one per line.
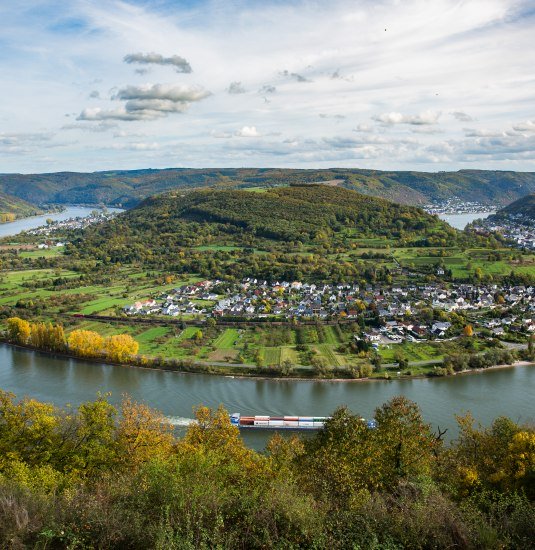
x=283 y=422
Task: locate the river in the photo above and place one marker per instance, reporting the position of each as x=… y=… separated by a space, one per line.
x=460 y=221
x=24 y=224
x=60 y=380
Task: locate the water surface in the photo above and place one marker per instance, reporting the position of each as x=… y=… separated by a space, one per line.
x=460 y=221
x=24 y=224
x=59 y=380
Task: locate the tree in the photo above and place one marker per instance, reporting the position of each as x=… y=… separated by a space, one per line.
x=19 y=330
x=287 y=367
x=142 y=434
x=85 y=343
x=406 y=445
x=468 y=331
x=120 y=347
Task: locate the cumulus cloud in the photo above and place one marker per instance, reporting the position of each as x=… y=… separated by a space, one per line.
x=476 y=133
x=525 y=127
x=94 y=95
x=247 y=132
x=236 y=88
x=461 y=116
x=179 y=63
x=426 y=117
x=295 y=76
x=147 y=102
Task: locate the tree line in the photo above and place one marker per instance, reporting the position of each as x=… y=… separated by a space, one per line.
x=117 y=348
x=101 y=477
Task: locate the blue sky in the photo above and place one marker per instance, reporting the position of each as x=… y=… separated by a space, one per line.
x=387 y=84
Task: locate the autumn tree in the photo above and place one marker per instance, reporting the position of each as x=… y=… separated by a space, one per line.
x=120 y=347
x=468 y=331
x=85 y=343
x=142 y=434
x=500 y=457
x=18 y=330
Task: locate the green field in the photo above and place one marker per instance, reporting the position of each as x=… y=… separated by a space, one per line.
x=227 y=339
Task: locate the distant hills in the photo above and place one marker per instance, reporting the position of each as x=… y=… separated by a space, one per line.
x=12 y=208
x=524 y=206
x=129 y=188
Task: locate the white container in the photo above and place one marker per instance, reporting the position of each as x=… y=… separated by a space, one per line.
x=261 y=422
x=276 y=423
x=318 y=424
x=306 y=424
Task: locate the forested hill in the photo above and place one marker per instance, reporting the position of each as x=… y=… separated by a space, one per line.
x=12 y=208
x=283 y=232
x=524 y=206
x=128 y=188
x=304 y=213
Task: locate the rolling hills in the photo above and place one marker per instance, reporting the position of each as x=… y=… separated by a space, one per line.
x=524 y=207
x=128 y=188
x=283 y=232
x=12 y=208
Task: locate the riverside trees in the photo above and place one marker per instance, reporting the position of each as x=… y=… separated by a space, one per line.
x=118 y=348
x=89 y=477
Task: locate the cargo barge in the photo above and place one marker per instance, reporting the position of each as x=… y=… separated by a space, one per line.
x=284 y=422
x=279 y=422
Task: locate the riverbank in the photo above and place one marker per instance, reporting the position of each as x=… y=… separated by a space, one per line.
x=47 y=212
x=260 y=374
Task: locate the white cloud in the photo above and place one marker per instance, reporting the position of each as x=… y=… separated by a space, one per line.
x=236 y=88
x=461 y=116
x=426 y=117
x=147 y=102
x=528 y=126
x=179 y=63
x=247 y=132
x=472 y=61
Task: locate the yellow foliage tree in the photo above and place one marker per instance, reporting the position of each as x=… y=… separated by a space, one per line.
x=120 y=347
x=468 y=330
x=18 y=330
x=142 y=434
x=85 y=343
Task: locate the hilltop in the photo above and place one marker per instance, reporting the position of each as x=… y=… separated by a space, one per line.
x=524 y=207
x=286 y=231
x=128 y=188
x=12 y=208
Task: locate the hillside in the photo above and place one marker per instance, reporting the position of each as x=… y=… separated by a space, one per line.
x=128 y=188
x=524 y=207
x=12 y=208
x=282 y=232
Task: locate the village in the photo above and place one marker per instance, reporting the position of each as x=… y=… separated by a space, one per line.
x=515 y=227
x=456 y=205
x=402 y=314
x=70 y=224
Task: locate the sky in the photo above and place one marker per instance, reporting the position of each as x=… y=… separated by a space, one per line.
x=422 y=85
